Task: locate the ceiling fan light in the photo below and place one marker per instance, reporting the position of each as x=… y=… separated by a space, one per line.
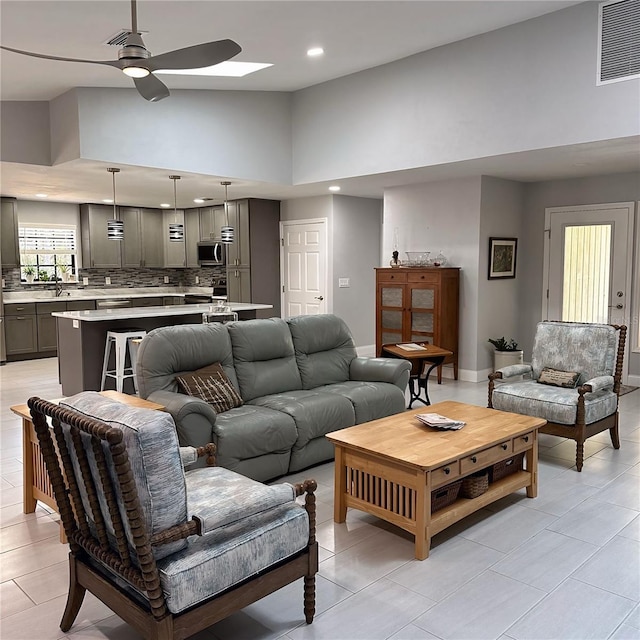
x=136 y=72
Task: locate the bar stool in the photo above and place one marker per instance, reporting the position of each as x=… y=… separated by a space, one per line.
x=122 y=339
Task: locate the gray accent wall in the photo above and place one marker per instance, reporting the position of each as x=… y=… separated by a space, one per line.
x=528 y=86
x=24 y=132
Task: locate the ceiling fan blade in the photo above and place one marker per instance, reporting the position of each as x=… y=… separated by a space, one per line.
x=151 y=88
x=111 y=63
x=200 y=55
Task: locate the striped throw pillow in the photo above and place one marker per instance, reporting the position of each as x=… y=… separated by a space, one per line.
x=211 y=385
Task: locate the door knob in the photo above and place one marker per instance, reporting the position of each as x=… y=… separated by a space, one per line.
x=319 y=298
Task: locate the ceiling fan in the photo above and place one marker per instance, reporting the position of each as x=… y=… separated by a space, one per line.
x=136 y=61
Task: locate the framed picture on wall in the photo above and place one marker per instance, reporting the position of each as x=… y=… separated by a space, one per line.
x=502 y=258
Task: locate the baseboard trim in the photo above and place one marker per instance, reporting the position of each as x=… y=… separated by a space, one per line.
x=367 y=350
x=633 y=380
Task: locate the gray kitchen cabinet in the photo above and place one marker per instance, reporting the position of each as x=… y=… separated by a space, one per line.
x=174 y=251
x=239 y=285
x=97 y=250
x=131 y=244
x=21 y=329
x=253 y=259
x=148 y=302
x=10 y=249
x=81 y=305
x=212 y=219
x=153 y=235
x=47 y=336
x=239 y=251
x=191 y=236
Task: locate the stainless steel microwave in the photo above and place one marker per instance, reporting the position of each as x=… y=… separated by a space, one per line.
x=211 y=253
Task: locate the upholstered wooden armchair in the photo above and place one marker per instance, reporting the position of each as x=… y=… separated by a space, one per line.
x=171 y=552
x=574 y=381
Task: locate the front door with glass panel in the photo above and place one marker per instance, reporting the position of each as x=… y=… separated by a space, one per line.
x=588 y=263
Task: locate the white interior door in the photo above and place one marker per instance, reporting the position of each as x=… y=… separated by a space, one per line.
x=304 y=267
x=589 y=263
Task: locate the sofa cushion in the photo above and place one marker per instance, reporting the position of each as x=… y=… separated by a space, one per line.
x=249 y=431
x=554 y=404
x=324 y=349
x=225 y=557
x=315 y=414
x=264 y=358
x=154 y=456
x=370 y=400
x=169 y=351
x=556 y=378
x=211 y=385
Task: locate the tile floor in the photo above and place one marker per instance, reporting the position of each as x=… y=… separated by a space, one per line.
x=563 y=565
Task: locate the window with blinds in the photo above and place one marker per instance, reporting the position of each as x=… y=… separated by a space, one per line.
x=47 y=253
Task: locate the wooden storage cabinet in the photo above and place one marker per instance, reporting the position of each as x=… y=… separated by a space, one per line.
x=97 y=250
x=47 y=335
x=418 y=305
x=212 y=219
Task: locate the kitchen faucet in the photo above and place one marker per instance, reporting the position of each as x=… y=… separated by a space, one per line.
x=58 y=283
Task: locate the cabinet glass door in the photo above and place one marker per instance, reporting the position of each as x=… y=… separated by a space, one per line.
x=391 y=318
x=422 y=313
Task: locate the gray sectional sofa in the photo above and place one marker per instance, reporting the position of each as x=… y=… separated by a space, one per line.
x=299 y=380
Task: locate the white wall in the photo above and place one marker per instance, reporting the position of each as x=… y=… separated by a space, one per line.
x=442 y=216
x=531 y=85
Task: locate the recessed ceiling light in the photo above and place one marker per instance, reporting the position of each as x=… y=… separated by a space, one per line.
x=164 y=205
x=334 y=187
x=41 y=195
x=229 y=68
x=107 y=200
x=315 y=51
x=198 y=200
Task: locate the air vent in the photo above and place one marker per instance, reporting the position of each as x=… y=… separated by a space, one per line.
x=118 y=39
x=619 y=41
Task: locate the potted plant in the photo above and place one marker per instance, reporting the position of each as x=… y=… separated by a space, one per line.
x=29 y=273
x=506 y=352
x=64 y=272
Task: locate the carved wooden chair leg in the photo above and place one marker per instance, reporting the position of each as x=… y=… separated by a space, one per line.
x=74 y=598
x=579 y=455
x=615 y=435
x=309 y=598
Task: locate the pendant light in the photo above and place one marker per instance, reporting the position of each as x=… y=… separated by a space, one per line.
x=115 y=227
x=176 y=229
x=226 y=233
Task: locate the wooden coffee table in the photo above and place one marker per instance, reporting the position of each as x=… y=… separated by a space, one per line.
x=36 y=485
x=389 y=467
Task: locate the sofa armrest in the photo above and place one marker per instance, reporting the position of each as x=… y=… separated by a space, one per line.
x=598 y=384
x=514 y=370
x=392 y=370
x=194 y=418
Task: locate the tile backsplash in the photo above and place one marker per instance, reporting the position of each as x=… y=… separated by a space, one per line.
x=132 y=278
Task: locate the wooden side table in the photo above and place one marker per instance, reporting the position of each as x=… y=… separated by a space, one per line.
x=36 y=485
x=429 y=355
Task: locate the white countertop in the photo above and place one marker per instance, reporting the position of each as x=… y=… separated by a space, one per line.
x=102 y=315
x=115 y=293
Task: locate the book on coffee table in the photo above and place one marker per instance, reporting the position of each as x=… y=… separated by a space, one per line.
x=439 y=421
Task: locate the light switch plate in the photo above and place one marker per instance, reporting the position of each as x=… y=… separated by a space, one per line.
x=76 y=324
x=3 y=283
x=85 y=281
x=343 y=283
x=197 y=280
x=107 y=280
x=166 y=279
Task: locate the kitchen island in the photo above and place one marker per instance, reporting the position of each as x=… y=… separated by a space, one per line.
x=81 y=336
